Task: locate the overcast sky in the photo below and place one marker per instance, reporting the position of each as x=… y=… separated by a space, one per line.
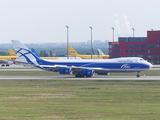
x=41 y=21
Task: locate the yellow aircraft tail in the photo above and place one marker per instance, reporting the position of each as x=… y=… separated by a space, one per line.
x=11 y=52
x=72 y=51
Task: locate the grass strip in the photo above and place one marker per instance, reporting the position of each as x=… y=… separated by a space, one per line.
x=47 y=73
x=79 y=100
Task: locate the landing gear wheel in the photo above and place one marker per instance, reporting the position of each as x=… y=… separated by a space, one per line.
x=78 y=75
x=88 y=76
x=138 y=74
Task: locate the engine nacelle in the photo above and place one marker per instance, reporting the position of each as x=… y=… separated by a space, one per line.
x=65 y=70
x=68 y=71
x=87 y=72
x=83 y=72
x=8 y=62
x=61 y=70
x=90 y=73
x=103 y=73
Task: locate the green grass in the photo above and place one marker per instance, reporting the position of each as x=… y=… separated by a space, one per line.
x=27 y=73
x=47 y=73
x=79 y=100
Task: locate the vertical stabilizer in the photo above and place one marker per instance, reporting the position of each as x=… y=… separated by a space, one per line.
x=23 y=53
x=35 y=52
x=72 y=51
x=11 y=52
x=100 y=52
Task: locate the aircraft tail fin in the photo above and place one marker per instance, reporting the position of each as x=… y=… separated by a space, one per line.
x=24 y=54
x=72 y=51
x=35 y=52
x=11 y=52
x=100 y=52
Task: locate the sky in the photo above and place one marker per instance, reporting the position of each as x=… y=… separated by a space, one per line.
x=44 y=21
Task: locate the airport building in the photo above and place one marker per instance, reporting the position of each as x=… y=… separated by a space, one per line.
x=145 y=47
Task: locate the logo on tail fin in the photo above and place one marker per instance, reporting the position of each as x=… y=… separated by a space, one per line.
x=27 y=56
x=11 y=52
x=72 y=51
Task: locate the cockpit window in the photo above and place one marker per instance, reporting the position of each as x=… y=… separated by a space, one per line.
x=141 y=59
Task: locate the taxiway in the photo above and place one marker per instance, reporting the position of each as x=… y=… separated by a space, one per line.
x=60 y=77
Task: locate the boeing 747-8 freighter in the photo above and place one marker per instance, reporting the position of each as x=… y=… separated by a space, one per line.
x=79 y=67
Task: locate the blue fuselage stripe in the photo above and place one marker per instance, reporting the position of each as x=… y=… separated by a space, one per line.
x=104 y=65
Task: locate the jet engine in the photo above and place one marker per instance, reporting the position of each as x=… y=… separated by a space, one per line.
x=9 y=62
x=65 y=70
x=87 y=72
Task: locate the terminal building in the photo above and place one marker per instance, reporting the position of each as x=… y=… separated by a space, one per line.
x=145 y=47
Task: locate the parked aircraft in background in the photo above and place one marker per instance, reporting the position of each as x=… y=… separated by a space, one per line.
x=8 y=60
x=100 y=52
x=79 y=67
x=35 y=52
x=11 y=52
x=74 y=53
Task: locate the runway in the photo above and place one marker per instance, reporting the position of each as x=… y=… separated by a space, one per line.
x=73 y=78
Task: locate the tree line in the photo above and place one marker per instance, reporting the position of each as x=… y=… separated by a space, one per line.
x=43 y=53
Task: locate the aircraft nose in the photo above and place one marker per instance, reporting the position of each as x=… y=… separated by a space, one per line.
x=150 y=65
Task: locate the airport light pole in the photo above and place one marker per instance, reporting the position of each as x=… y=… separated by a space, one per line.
x=133 y=31
x=67 y=42
x=113 y=33
x=91 y=42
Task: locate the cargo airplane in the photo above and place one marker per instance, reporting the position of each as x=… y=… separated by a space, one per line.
x=81 y=67
x=74 y=53
x=8 y=60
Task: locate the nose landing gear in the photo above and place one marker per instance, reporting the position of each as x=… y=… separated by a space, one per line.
x=138 y=74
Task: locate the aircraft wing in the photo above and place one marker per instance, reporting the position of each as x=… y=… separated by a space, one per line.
x=19 y=62
x=74 y=68
x=22 y=63
x=97 y=70
x=53 y=66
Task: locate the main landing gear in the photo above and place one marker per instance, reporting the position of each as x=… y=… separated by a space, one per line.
x=4 y=65
x=138 y=74
x=80 y=76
